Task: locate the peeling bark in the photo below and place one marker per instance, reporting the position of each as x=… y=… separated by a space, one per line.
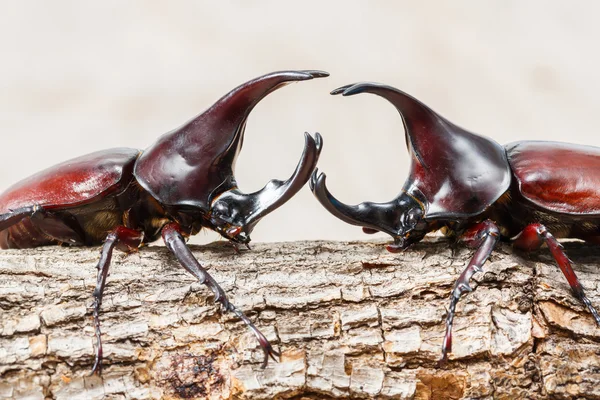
x=351 y=320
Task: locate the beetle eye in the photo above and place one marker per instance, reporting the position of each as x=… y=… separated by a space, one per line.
x=411 y=218
x=220 y=210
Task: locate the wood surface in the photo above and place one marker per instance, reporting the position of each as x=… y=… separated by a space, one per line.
x=351 y=321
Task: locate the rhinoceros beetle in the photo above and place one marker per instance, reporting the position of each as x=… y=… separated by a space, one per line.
x=185 y=181
x=479 y=192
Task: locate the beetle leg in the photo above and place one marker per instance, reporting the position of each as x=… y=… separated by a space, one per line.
x=14 y=216
x=124 y=239
x=175 y=242
x=532 y=237
x=235 y=246
x=484 y=236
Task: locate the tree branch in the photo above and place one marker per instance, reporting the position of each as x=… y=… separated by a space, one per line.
x=351 y=320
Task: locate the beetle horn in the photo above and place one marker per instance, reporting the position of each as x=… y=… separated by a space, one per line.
x=349 y=214
x=187 y=165
x=276 y=192
x=420 y=122
x=458 y=172
x=234 y=107
x=376 y=216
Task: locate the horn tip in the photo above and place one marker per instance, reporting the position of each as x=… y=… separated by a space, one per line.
x=340 y=90
x=318 y=142
x=356 y=88
x=314 y=178
x=309 y=140
x=316 y=73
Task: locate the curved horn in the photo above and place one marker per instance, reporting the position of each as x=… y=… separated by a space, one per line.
x=349 y=214
x=421 y=124
x=254 y=206
x=376 y=216
x=458 y=172
x=186 y=165
x=275 y=193
x=236 y=105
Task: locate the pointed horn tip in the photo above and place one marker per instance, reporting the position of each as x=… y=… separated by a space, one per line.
x=309 y=141
x=318 y=140
x=348 y=90
x=356 y=88
x=340 y=90
x=294 y=75
x=312 y=182
x=316 y=73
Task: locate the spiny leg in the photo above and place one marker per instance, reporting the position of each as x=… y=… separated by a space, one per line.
x=484 y=236
x=176 y=244
x=532 y=237
x=126 y=240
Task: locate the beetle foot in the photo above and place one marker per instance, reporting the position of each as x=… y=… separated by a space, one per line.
x=590 y=307
x=443 y=361
x=97 y=368
x=447 y=343
x=265 y=345
x=269 y=352
x=235 y=246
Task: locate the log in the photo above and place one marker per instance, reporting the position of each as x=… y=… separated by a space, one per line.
x=351 y=321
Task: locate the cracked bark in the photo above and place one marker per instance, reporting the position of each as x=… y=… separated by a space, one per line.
x=351 y=320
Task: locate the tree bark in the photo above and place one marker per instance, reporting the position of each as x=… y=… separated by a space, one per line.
x=351 y=321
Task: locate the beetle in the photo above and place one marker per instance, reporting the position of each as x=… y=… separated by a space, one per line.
x=185 y=181
x=480 y=192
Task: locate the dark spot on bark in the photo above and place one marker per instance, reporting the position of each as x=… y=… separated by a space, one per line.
x=191 y=376
x=368 y=265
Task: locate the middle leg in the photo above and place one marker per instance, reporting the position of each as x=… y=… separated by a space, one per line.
x=484 y=237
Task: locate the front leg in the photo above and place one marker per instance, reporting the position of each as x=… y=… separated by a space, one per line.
x=484 y=237
x=13 y=217
x=175 y=242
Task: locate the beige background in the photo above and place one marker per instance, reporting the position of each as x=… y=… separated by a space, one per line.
x=80 y=76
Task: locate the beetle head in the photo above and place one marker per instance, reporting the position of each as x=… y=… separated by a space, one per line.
x=454 y=173
x=226 y=218
x=193 y=164
x=234 y=214
x=401 y=218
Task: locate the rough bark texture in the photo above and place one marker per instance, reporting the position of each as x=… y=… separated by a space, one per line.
x=351 y=319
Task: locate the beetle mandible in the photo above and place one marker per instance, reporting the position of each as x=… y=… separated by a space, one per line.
x=529 y=192
x=185 y=181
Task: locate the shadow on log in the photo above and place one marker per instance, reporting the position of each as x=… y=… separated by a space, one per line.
x=351 y=321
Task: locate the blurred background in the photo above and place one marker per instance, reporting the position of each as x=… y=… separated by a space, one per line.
x=77 y=77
